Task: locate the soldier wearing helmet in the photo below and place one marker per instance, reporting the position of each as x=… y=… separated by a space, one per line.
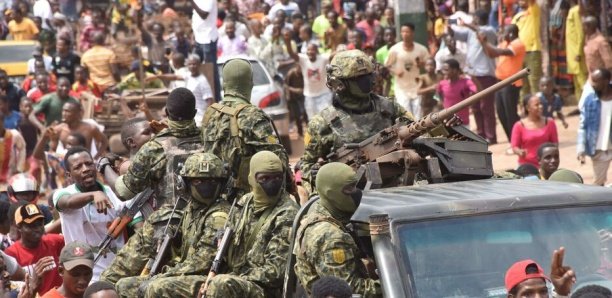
x=355 y=114
x=205 y=177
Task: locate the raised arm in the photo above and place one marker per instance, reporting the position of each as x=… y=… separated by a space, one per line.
x=202 y=13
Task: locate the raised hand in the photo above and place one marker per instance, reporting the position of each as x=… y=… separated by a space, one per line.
x=562 y=277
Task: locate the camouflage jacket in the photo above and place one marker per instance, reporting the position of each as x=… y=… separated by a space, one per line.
x=324 y=247
x=134 y=255
x=254 y=133
x=334 y=127
x=148 y=167
x=198 y=244
x=261 y=256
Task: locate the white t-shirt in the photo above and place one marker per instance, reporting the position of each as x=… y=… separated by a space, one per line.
x=406 y=63
x=289 y=9
x=605 y=122
x=181 y=72
x=314 y=75
x=201 y=91
x=205 y=31
x=89 y=226
x=42 y=9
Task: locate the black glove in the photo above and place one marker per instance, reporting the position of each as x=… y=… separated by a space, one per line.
x=102 y=163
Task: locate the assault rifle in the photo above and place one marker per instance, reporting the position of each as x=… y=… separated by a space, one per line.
x=223 y=246
x=120 y=223
x=398 y=155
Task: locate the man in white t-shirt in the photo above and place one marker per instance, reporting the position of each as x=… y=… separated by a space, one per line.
x=288 y=6
x=87 y=207
x=204 y=26
x=405 y=60
x=196 y=83
x=42 y=9
x=316 y=94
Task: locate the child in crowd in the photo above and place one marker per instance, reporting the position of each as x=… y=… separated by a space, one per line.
x=551 y=101
x=454 y=89
x=82 y=83
x=428 y=84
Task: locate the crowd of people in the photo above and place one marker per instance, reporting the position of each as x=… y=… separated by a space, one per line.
x=339 y=63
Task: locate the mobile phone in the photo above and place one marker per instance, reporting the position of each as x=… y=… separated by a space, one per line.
x=452 y=21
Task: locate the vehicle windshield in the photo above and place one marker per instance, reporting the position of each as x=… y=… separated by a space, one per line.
x=16 y=53
x=469 y=256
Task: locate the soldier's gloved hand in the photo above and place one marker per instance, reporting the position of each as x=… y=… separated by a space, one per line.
x=453 y=121
x=102 y=163
x=315 y=168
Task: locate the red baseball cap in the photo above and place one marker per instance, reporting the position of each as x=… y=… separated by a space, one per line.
x=517 y=273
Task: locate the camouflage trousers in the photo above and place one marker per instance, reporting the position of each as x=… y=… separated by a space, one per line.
x=175 y=286
x=132 y=258
x=226 y=285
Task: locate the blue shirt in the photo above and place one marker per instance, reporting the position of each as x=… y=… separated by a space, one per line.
x=11 y=121
x=477 y=62
x=590 y=115
x=556 y=105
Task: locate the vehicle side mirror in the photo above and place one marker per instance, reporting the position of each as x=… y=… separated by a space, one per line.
x=279 y=78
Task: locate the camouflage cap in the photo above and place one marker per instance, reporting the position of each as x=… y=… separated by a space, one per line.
x=350 y=64
x=203 y=165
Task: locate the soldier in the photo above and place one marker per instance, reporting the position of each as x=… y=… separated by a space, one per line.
x=150 y=167
x=234 y=129
x=257 y=254
x=323 y=245
x=355 y=114
x=205 y=176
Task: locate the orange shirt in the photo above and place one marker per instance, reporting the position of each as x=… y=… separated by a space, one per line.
x=53 y=293
x=509 y=65
x=26 y=30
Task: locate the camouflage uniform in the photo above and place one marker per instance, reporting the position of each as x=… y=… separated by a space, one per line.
x=198 y=229
x=324 y=247
x=148 y=169
x=257 y=269
x=336 y=125
x=235 y=129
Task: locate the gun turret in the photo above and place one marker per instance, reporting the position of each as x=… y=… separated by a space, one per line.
x=398 y=150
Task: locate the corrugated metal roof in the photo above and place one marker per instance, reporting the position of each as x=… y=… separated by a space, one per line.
x=468 y=197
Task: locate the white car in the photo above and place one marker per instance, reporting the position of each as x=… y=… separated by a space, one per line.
x=267 y=95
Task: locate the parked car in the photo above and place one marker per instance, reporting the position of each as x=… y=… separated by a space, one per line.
x=458 y=239
x=14 y=58
x=268 y=95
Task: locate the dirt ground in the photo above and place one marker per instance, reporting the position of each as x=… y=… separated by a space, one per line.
x=501 y=161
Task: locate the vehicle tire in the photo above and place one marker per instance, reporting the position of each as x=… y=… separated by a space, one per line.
x=286 y=142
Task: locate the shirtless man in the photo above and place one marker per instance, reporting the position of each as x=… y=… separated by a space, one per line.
x=72 y=121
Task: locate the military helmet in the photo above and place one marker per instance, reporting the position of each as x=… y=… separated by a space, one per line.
x=350 y=64
x=203 y=165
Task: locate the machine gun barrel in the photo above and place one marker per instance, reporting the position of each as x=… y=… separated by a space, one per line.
x=400 y=135
x=417 y=128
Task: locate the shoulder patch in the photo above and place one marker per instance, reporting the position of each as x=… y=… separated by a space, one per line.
x=338 y=255
x=306 y=138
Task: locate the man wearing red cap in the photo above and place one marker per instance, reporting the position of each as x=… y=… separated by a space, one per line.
x=37 y=252
x=527 y=279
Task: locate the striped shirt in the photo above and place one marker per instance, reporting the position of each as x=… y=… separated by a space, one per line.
x=98 y=61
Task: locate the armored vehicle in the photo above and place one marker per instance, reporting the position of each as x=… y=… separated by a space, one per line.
x=458 y=239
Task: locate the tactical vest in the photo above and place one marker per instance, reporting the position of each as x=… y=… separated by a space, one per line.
x=222 y=137
x=176 y=150
x=354 y=128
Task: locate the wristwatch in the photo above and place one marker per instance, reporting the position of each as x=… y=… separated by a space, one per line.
x=102 y=163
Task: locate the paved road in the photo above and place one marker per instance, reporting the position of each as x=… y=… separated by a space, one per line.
x=501 y=161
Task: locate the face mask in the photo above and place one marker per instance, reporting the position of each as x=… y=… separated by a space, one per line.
x=365 y=83
x=205 y=192
x=272 y=187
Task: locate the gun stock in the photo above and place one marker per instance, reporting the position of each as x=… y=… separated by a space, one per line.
x=401 y=134
x=120 y=223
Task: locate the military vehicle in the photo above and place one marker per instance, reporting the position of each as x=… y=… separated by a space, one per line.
x=432 y=236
